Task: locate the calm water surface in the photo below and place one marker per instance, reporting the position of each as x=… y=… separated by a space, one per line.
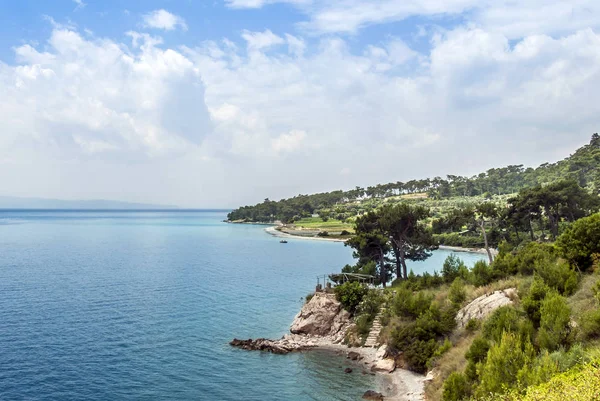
x=142 y=305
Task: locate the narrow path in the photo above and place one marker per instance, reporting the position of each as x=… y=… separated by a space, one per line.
x=373 y=338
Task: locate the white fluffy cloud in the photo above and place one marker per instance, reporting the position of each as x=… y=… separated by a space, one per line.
x=101 y=96
x=221 y=124
x=512 y=18
x=162 y=19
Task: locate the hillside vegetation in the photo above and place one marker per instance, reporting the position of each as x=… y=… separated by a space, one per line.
x=545 y=225
x=581 y=167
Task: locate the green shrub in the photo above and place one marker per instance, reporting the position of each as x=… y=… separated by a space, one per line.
x=323 y=233
x=504 y=361
x=533 y=252
x=589 y=324
x=309 y=297
x=533 y=301
x=481 y=273
x=370 y=304
x=473 y=325
x=504 y=319
x=541 y=370
x=345 y=232
x=363 y=325
x=557 y=274
x=554 y=323
x=581 y=241
x=565 y=360
x=477 y=353
x=350 y=294
x=457 y=293
x=456 y=387
x=451 y=268
x=418 y=339
x=408 y=304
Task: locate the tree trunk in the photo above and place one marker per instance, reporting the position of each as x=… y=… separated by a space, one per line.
x=487 y=247
x=398 y=263
x=403 y=260
x=531 y=230
x=382 y=270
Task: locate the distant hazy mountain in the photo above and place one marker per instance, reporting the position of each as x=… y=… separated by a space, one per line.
x=12 y=202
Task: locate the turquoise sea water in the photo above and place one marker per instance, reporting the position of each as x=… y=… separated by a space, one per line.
x=142 y=305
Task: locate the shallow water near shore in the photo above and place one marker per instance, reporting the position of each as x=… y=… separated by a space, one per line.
x=142 y=305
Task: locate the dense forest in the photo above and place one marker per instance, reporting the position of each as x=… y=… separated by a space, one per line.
x=581 y=167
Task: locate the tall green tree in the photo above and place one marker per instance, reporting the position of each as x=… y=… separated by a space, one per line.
x=370 y=244
x=409 y=238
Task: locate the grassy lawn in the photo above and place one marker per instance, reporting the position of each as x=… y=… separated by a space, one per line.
x=317 y=224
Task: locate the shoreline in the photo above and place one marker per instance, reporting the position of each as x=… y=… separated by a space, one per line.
x=399 y=385
x=272 y=230
x=468 y=250
x=276 y=233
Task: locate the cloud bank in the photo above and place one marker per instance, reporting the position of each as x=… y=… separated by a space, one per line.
x=263 y=113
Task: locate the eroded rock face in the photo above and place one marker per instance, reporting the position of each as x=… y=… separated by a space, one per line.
x=483 y=306
x=321 y=321
x=322 y=316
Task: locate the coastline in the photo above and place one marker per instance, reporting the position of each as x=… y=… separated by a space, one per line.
x=399 y=385
x=469 y=250
x=276 y=233
x=272 y=230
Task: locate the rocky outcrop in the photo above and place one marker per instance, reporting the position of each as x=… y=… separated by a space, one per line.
x=322 y=316
x=275 y=346
x=321 y=321
x=483 y=306
x=372 y=395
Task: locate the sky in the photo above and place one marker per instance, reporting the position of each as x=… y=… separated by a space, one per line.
x=221 y=103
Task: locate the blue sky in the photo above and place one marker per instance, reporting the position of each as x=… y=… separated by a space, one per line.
x=218 y=103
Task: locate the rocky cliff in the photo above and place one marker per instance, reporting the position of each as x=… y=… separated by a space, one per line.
x=321 y=321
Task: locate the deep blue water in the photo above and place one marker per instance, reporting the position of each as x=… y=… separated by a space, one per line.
x=142 y=305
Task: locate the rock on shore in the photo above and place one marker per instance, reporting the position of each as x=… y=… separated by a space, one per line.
x=321 y=321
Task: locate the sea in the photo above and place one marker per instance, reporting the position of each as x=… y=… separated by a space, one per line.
x=141 y=305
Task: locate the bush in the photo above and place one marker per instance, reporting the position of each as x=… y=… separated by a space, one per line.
x=581 y=241
x=451 y=268
x=472 y=325
x=554 y=323
x=309 y=297
x=350 y=294
x=407 y=304
x=481 y=273
x=505 y=319
x=533 y=301
x=524 y=260
x=477 y=353
x=504 y=361
x=323 y=234
x=456 y=387
x=345 y=232
x=418 y=339
x=565 y=360
x=457 y=293
x=541 y=370
x=590 y=324
x=557 y=274
x=417 y=354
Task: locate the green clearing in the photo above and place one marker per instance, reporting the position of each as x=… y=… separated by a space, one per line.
x=316 y=223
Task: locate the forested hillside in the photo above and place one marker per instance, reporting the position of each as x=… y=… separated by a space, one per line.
x=581 y=167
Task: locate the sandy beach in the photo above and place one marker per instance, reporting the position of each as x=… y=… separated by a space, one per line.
x=276 y=233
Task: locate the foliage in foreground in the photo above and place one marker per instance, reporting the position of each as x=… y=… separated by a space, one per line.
x=578 y=384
